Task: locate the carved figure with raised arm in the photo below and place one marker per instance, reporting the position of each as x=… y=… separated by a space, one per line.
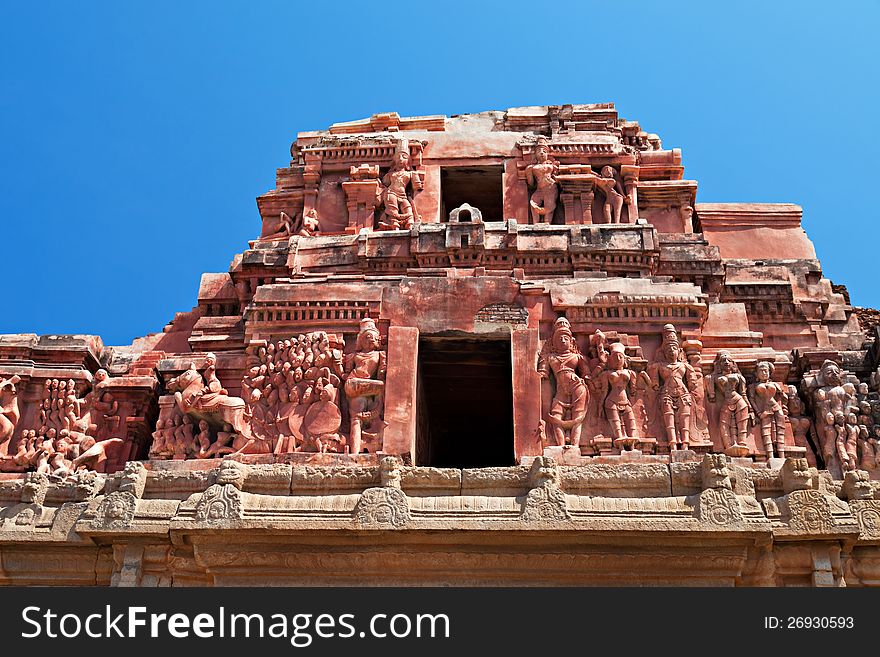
x=562 y=358
x=542 y=175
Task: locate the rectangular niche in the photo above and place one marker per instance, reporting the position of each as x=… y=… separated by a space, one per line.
x=465 y=403
x=480 y=186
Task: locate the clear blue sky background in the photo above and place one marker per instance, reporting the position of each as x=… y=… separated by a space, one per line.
x=135 y=136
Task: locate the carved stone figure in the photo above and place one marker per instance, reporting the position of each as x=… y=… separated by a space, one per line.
x=727 y=387
x=617 y=384
x=715 y=473
x=34 y=488
x=389 y=472
x=569 y=367
x=801 y=423
x=673 y=378
x=96 y=455
x=856 y=486
x=546 y=500
x=846 y=434
x=542 y=175
x=797 y=475
x=365 y=385
x=307 y=224
x=869 y=427
x=9 y=412
x=293 y=393
x=699 y=433
x=832 y=403
x=205 y=398
x=72 y=433
x=768 y=401
x=610 y=186
x=399 y=211
x=597 y=362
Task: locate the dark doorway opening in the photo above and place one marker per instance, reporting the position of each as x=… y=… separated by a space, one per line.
x=479 y=186
x=465 y=403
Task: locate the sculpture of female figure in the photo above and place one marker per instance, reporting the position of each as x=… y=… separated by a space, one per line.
x=801 y=423
x=617 y=384
x=693 y=350
x=569 y=405
x=729 y=385
x=673 y=378
x=768 y=400
x=9 y=412
x=614 y=195
x=542 y=174
x=846 y=435
x=364 y=384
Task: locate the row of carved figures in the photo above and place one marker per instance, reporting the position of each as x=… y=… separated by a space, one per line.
x=394 y=195
x=297 y=395
x=70 y=434
x=595 y=399
x=542 y=175
x=304 y=394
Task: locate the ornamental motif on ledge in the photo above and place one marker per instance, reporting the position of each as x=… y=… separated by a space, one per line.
x=219 y=503
x=384 y=508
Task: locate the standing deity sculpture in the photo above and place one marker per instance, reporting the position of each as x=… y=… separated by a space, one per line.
x=400 y=212
x=610 y=186
x=801 y=423
x=365 y=385
x=846 y=439
x=672 y=379
x=617 y=385
x=699 y=433
x=869 y=427
x=834 y=404
x=542 y=175
x=569 y=368
x=727 y=388
x=597 y=361
x=769 y=403
x=9 y=412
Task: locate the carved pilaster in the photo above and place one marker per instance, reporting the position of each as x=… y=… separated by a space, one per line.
x=362 y=194
x=631 y=186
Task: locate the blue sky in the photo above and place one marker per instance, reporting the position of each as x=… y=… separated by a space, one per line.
x=135 y=136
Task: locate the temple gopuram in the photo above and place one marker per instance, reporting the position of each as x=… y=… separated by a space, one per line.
x=505 y=348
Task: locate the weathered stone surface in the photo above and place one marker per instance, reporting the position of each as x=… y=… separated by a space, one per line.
x=513 y=340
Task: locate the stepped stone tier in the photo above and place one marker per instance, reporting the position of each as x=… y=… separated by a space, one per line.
x=497 y=348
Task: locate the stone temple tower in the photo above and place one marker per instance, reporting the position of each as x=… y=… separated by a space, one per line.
x=505 y=347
